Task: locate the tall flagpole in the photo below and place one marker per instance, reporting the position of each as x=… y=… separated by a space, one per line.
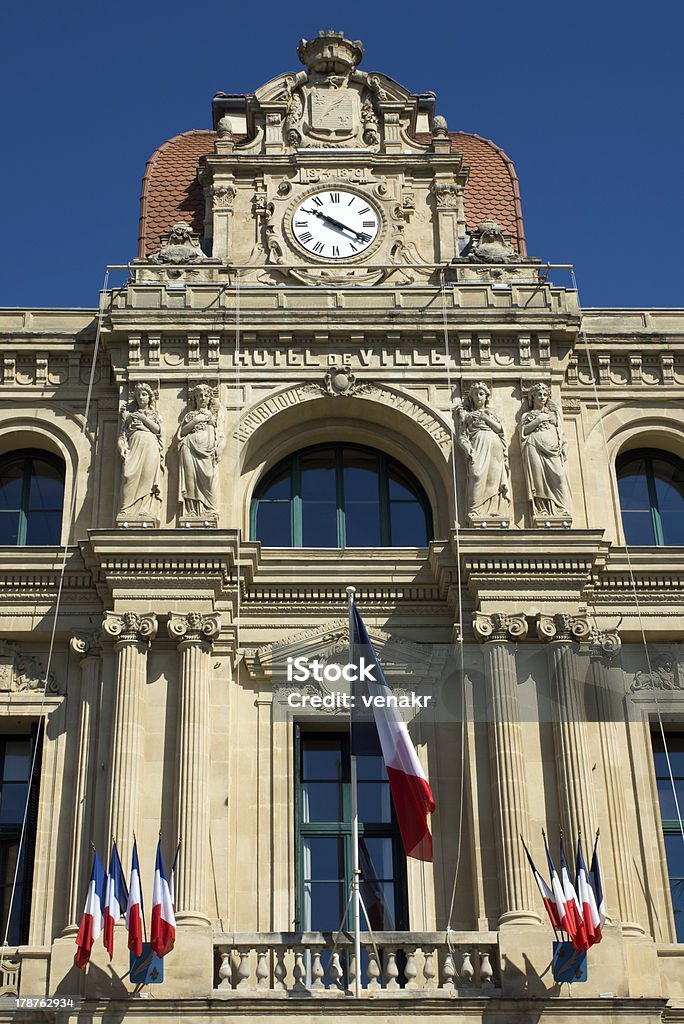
x=356 y=873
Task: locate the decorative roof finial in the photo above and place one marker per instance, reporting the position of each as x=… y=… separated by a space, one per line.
x=330 y=53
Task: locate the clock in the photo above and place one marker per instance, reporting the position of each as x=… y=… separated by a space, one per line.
x=335 y=224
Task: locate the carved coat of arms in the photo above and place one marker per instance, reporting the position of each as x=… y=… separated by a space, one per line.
x=334 y=114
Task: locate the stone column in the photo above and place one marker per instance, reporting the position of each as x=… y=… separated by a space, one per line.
x=575 y=787
x=87 y=645
x=604 y=648
x=509 y=789
x=195 y=634
x=132 y=634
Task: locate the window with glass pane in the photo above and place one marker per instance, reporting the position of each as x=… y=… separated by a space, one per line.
x=31 y=498
x=674 y=841
x=651 y=489
x=340 y=496
x=16 y=788
x=324 y=837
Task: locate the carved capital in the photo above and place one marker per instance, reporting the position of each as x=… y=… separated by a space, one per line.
x=222 y=197
x=499 y=626
x=194 y=626
x=564 y=627
x=130 y=626
x=447 y=196
x=87 y=644
x=605 y=644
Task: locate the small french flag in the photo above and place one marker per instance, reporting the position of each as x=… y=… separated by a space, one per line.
x=134 y=908
x=91 y=922
x=163 y=931
x=116 y=898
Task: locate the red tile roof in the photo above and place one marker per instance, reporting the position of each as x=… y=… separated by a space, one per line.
x=171 y=191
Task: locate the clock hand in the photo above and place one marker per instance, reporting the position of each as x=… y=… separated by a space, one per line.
x=337 y=224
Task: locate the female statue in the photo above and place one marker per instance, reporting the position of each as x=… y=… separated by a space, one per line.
x=481 y=436
x=141 y=445
x=200 y=443
x=544 y=451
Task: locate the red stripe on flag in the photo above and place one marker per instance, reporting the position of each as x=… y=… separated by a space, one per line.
x=413 y=801
x=84 y=941
x=163 y=934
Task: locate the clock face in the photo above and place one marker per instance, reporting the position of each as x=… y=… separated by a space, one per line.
x=335 y=224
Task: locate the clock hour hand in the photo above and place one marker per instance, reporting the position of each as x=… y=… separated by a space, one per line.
x=337 y=224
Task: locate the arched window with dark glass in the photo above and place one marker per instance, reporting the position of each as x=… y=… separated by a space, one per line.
x=340 y=496
x=651 y=488
x=31 y=497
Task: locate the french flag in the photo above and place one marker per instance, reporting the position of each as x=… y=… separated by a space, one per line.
x=572 y=906
x=386 y=734
x=590 y=914
x=566 y=924
x=91 y=922
x=597 y=889
x=546 y=893
x=116 y=898
x=134 y=907
x=163 y=931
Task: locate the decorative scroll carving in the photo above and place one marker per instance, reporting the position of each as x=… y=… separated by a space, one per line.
x=130 y=626
x=21 y=672
x=662 y=676
x=544 y=452
x=141 y=446
x=605 y=644
x=85 y=644
x=201 y=440
x=181 y=245
x=562 y=626
x=194 y=626
x=481 y=436
x=499 y=626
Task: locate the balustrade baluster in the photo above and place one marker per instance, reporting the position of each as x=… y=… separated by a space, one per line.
x=243 y=969
x=299 y=971
x=429 y=970
x=391 y=969
x=225 y=971
x=448 y=972
x=373 y=971
x=335 y=971
x=279 y=970
x=317 y=971
x=410 y=970
x=467 y=971
x=262 y=970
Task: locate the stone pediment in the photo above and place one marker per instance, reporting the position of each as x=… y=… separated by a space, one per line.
x=332 y=104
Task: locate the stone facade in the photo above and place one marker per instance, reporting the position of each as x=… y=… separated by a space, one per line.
x=217 y=358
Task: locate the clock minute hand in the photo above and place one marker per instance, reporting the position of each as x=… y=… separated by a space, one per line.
x=335 y=223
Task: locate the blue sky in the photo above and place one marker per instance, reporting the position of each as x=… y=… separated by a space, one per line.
x=584 y=97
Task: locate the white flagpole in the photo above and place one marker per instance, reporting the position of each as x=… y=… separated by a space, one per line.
x=356 y=873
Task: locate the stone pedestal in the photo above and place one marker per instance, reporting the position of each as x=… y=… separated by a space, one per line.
x=132 y=634
x=195 y=634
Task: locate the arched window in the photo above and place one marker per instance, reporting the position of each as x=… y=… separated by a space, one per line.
x=651 y=488
x=340 y=496
x=31 y=497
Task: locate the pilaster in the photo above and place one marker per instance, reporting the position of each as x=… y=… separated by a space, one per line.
x=604 y=648
x=195 y=634
x=88 y=646
x=575 y=787
x=498 y=634
x=132 y=634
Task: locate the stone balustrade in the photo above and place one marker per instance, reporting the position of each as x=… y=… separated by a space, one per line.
x=10 y=971
x=394 y=963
